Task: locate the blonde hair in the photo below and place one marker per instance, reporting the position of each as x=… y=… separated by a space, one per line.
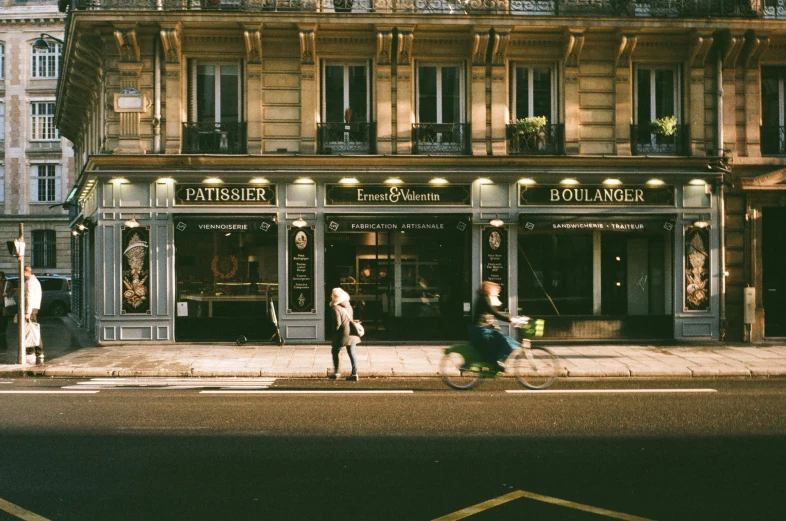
x=487 y=286
x=338 y=295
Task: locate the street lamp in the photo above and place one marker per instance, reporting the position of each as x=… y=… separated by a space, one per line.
x=42 y=45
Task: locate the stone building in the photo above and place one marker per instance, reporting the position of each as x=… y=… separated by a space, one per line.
x=239 y=159
x=36 y=163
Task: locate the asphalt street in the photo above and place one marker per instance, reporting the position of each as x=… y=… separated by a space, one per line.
x=123 y=449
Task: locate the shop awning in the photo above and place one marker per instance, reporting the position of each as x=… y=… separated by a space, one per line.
x=240 y=224
x=392 y=223
x=587 y=223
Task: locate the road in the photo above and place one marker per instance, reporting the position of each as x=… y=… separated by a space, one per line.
x=114 y=449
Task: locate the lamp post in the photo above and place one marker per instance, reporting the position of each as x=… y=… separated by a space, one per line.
x=42 y=45
x=17 y=249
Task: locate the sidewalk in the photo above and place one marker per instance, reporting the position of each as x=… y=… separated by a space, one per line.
x=314 y=361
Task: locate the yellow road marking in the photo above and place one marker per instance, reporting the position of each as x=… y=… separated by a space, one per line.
x=480 y=507
x=20 y=512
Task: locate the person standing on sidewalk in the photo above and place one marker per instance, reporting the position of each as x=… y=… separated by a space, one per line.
x=32 y=305
x=7 y=312
x=342 y=336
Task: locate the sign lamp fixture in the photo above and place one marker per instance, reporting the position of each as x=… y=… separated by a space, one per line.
x=299 y=222
x=496 y=221
x=132 y=222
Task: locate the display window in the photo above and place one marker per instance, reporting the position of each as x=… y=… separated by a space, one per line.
x=227 y=278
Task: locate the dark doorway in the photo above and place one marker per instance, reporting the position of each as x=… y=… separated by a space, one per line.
x=404 y=284
x=773 y=276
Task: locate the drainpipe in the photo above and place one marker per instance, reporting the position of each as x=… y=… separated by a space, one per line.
x=156 y=96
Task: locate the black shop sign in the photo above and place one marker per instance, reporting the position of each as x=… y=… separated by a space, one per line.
x=495 y=259
x=552 y=195
x=409 y=195
x=300 y=284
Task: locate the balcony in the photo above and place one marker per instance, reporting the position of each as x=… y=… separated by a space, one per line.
x=357 y=137
x=646 y=143
x=550 y=140
x=214 y=138
x=616 y=8
x=773 y=141
x=440 y=138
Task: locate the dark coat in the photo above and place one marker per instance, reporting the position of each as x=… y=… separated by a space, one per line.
x=342 y=316
x=484 y=312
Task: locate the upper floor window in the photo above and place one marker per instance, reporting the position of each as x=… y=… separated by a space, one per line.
x=46 y=63
x=773 y=111
x=217 y=98
x=657 y=127
x=2 y=61
x=533 y=93
x=42 y=124
x=440 y=94
x=2 y=183
x=45 y=183
x=2 y=121
x=345 y=93
x=44 y=252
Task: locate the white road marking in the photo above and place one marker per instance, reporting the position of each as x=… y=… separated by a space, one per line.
x=173 y=383
x=285 y=391
x=486 y=505
x=54 y=391
x=21 y=513
x=607 y=391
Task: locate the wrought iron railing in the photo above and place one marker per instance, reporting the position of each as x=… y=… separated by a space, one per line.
x=645 y=142
x=440 y=138
x=773 y=141
x=548 y=140
x=214 y=138
x=357 y=137
x=625 y=8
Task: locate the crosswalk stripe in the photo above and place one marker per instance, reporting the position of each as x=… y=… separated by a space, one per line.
x=315 y=391
x=173 y=383
x=607 y=391
x=21 y=513
x=54 y=391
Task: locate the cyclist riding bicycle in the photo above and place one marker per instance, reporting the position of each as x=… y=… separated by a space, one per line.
x=484 y=333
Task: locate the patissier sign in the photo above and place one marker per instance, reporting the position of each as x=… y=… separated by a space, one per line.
x=253 y=195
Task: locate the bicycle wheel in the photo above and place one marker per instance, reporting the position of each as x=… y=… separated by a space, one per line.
x=536 y=367
x=455 y=374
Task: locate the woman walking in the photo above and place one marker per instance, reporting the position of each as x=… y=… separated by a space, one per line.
x=343 y=334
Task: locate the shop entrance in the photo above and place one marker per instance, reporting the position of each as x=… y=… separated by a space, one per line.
x=408 y=277
x=773 y=277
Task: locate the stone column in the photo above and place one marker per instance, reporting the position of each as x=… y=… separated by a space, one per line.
x=478 y=101
x=404 y=92
x=755 y=47
x=129 y=67
x=309 y=92
x=624 y=94
x=574 y=42
x=731 y=52
x=174 y=112
x=500 y=113
x=384 y=100
x=701 y=45
x=252 y=36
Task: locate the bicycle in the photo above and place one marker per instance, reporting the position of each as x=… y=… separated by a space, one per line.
x=536 y=367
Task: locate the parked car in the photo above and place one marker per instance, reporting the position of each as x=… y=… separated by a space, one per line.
x=55 y=294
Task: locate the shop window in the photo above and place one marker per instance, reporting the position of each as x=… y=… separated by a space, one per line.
x=46 y=62
x=227 y=278
x=45 y=183
x=42 y=124
x=773 y=111
x=346 y=109
x=657 y=125
x=440 y=123
x=44 y=253
x=533 y=96
x=215 y=109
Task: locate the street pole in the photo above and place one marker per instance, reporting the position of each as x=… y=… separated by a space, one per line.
x=20 y=314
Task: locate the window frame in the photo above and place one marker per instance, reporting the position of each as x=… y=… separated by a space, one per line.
x=553 y=117
x=50 y=130
x=43 y=244
x=677 y=91
x=346 y=84
x=462 y=87
x=36 y=179
x=2 y=60
x=50 y=58
x=780 y=74
x=194 y=94
x=2 y=120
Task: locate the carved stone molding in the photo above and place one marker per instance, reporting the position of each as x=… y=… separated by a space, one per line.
x=127 y=46
x=700 y=47
x=499 y=51
x=574 y=43
x=384 y=47
x=405 y=39
x=755 y=48
x=480 y=46
x=253 y=40
x=625 y=50
x=307 y=46
x=732 y=46
x=171 y=40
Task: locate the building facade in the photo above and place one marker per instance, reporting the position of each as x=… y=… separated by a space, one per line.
x=239 y=159
x=36 y=163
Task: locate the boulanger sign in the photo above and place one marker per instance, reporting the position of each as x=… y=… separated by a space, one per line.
x=410 y=195
x=197 y=194
x=596 y=196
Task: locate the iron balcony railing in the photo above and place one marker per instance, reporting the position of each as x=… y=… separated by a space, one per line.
x=646 y=143
x=625 y=8
x=549 y=140
x=356 y=137
x=440 y=138
x=214 y=138
x=773 y=141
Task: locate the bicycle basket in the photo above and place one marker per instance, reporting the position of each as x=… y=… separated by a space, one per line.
x=533 y=328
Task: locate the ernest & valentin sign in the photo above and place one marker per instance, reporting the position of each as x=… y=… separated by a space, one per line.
x=198 y=194
x=596 y=195
x=410 y=195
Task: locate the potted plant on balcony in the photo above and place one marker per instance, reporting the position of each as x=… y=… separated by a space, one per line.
x=528 y=132
x=665 y=126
